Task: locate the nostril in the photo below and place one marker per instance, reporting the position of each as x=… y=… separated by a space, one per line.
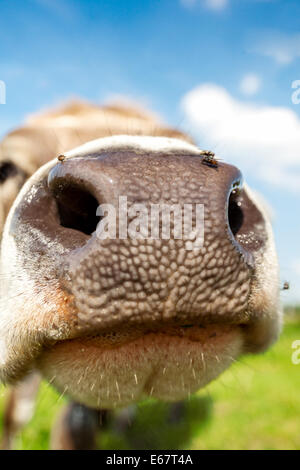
x=76 y=208
x=246 y=222
x=235 y=213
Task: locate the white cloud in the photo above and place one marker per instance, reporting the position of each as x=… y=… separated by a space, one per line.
x=250 y=84
x=216 y=5
x=283 y=48
x=263 y=140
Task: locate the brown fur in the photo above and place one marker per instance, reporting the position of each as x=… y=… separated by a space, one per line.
x=51 y=133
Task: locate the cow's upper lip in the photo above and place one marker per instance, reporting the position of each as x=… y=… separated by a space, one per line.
x=113 y=339
x=174 y=327
x=122 y=333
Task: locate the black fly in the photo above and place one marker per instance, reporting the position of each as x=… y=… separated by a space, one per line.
x=61 y=158
x=209 y=158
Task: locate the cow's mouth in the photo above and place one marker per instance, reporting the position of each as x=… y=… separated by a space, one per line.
x=120 y=367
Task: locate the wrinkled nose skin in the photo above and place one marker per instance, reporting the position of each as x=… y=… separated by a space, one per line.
x=92 y=302
x=146 y=281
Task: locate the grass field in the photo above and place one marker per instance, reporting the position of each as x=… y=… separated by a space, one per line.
x=253 y=405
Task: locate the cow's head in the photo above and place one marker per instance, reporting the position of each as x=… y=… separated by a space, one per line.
x=112 y=320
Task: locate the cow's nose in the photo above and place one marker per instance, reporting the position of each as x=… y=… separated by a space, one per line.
x=143 y=278
x=80 y=185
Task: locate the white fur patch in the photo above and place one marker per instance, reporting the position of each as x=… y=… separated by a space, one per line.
x=138 y=144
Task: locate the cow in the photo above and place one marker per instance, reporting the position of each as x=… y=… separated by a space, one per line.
x=110 y=320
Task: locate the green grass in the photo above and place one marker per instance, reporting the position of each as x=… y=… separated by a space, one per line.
x=253 y=405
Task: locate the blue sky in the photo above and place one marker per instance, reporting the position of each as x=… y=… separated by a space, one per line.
x=200 y=64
